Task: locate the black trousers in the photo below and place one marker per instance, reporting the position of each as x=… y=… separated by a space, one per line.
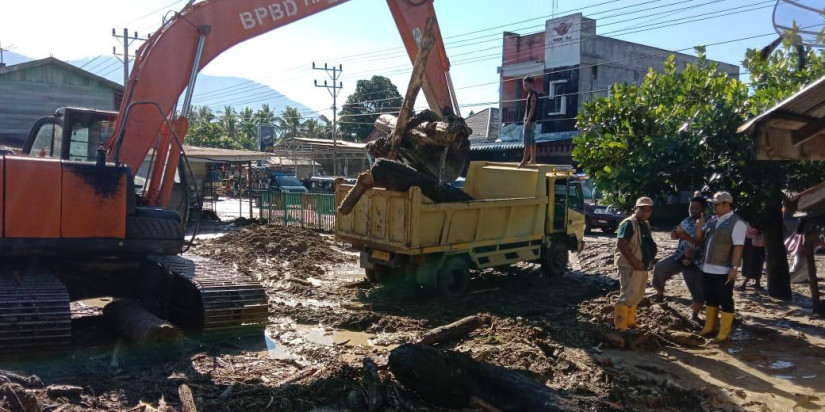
x=717 y=293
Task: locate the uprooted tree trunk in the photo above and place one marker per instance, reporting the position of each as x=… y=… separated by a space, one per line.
x=138 y=325
x=455 y=330
x=453 y=380
x=433 y=149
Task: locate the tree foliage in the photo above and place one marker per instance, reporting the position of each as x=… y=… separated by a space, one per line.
x=234 y=130
x=371 y=98
x=652 y=138
x=677 y=131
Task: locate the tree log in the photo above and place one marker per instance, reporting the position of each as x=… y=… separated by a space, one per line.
x=416 y=79
x=455 y=330
x=68 y=391
x=453 y=379
x=187 y=399
x=134 y=322
x=375 y=392
x=362 y=184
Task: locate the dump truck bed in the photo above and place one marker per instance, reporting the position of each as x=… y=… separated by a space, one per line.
x=410 y=223
x=510 y=206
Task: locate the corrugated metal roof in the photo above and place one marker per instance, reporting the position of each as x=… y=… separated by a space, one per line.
x=809 y=102
x=224 y=155
x=482 y=146
x=329 y=142
x=61 y=63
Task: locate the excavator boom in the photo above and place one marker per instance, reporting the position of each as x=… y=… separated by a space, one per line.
x=167 y=63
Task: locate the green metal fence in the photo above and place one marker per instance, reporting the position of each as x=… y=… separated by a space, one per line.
x=309 y=210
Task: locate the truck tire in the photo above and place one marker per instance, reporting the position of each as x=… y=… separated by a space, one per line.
x=378 y=274
x=554 y=259
x=453 y=277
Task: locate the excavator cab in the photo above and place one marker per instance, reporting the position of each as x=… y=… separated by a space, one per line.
x=93 y=206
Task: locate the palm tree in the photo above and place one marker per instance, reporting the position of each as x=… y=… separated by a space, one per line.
x=314 y=128
x=290 y=123
x=229 y=121
x=265 y=115
x=205 y=114
x=248 y=126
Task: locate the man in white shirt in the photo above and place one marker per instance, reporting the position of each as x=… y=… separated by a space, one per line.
x=723 y=237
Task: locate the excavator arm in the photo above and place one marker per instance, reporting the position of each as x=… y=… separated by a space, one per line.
x=169 y=61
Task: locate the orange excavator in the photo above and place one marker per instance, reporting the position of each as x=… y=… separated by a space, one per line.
x=85 y=209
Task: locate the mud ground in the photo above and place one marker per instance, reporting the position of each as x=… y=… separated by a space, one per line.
x=325 y=319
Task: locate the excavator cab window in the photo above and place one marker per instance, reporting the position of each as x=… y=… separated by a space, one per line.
x=47 y=142
x=86 y=137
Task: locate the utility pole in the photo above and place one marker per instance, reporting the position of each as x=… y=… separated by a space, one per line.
x=126 y=42
x=334 y=74
x=2 y=62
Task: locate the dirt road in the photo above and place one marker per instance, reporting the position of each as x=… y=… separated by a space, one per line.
x=325 y=319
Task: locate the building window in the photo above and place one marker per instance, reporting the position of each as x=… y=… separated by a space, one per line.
x=557 y=98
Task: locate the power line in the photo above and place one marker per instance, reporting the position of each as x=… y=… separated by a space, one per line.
x=400 y=69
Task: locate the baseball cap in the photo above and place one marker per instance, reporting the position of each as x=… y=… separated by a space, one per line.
x=722 y=197
x=644 y=201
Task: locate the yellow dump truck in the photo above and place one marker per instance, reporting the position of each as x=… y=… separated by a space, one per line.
x=530 y=214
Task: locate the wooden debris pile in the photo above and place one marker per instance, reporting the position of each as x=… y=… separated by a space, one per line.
x=425 y=150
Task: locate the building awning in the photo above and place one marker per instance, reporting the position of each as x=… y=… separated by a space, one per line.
x=211 y=154
x=793 y=129
x=523 y=69
x=289 y=161
x=495 y=146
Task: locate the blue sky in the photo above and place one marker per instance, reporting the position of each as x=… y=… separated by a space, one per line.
x=361 y=36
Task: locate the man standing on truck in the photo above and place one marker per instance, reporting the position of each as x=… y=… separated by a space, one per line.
x=529 y=133
x=635 y=251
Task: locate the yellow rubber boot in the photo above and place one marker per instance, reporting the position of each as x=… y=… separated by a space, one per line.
x=631 y=317
x=725 y=326
x=620 y=317
x=710 y=320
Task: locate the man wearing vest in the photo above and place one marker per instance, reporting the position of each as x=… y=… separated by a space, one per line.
x=635 y=251
x=723 y=237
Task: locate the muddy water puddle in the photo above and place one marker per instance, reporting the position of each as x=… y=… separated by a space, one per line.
x=281 y=345
x=96 y=302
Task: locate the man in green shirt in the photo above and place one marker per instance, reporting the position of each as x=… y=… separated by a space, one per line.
x=635 y=251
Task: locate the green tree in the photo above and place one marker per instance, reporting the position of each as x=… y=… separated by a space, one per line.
x=248 y=128
x=265 y=115
x=289 y=123
x=371 y=98
x=315 y=129
x=677 y=131
x=229 y=121
x=634 y=142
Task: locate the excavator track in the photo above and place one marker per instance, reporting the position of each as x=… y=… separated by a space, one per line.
x=209 y=297
x=34 y=311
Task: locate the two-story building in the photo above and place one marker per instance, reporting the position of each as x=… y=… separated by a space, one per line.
x=571 y=64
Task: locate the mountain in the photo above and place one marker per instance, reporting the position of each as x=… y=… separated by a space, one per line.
x=213 y=91
x=11 y=58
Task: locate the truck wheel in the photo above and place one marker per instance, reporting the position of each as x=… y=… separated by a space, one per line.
x=378 y=274
x=453 y=277
x=554 y=259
